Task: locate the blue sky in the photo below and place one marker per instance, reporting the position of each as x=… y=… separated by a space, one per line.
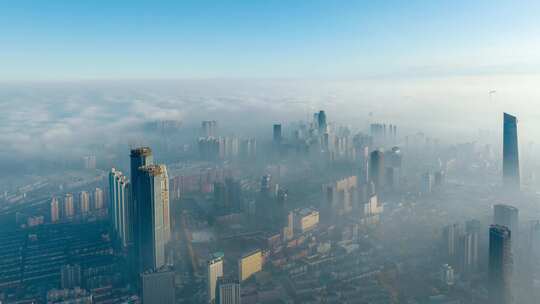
x=63 y=40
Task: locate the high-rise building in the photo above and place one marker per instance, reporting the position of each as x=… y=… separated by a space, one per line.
x=376 y=169
x=84 y=202
x=70 y=276
x=321 y=121
x=469 y=247
x=451 y=235
x=508 y=216
x=69 y=208
x=55 y=210
x=209 y=128
x=158 y=287
x=447 y=275
x=98 y=199
x=249 y=264
x=427 y=182
x=139 y=157
x=119 y=192
x=511 y=176
x=277 y=137
x=215 y=271
x=153 y=224
x=500 y=265
x=228 y=291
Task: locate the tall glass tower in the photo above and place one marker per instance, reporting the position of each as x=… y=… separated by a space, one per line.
x=500 y=265
x=511 y=178
x=153 y=223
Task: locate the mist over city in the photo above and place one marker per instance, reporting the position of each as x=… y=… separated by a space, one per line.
x=270 y=152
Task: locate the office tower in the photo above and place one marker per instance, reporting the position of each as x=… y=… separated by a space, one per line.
x=98 y=199
x=209 y=128
x=508 y=216
x=119 y=192
x=321 y=121
x=469 y=247
x=84 y=202
x=158 y=287
x=70 y=276
x=153 y=224
x=277 y=134
x=69 y=208
x=215 y=271
x=55 y=210
x=500 y=265
x=139 y=157
x=451 y=235
x=228 y=291
x=511 y=177
x=376 y=169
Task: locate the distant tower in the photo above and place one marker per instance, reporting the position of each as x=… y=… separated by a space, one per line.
x=215 y=271
x=209 y=128
x=69 y=209
x=511 y=177
x=277 y=134
x=98 y=199
x=119 y=191
x=321 y=120
x=376 y=169
x=55 y=210
x=469 y=247
x=500 y=265
x=84 y=202
x=508 y=216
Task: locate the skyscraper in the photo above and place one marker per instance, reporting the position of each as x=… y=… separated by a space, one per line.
x=500 y=265
x=209 y=128
x=215 y=271
x=84 y=202
x=153 y=230
x=511 y=177
x=119 y=191
x=277 y=134
x=508 y=216
x=98 y=199
x=376 y=169
x=55 y=210
x=450 y=237
x=69 y=209
x=228 y=291
x=321 y=120
x=469 y=247
x=139 y=157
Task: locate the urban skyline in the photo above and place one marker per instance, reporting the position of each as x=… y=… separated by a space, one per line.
x=269 y=152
